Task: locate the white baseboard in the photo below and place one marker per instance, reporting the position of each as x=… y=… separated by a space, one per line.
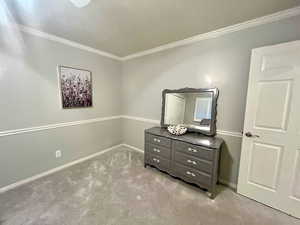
x=228 y=184
x=133 y=148
x=221 y=181
x=54 y=170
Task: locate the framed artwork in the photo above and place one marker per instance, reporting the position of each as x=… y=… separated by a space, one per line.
x=75 y=87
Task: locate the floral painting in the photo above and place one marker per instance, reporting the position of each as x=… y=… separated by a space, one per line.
x=76 y=87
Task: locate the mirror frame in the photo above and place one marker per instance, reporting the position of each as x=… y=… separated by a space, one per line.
x=215 y=95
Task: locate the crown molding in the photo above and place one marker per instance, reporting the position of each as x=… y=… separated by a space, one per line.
x=61 y=40
x=220 y=32
x=205 y=36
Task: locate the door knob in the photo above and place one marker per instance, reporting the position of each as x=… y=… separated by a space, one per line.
x=249 y=134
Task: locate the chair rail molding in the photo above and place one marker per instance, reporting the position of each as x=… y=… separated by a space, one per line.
x=95 y=120
x=55 y=126
x=157 y=122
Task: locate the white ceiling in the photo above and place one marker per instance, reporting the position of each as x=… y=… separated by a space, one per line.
x=124 y=27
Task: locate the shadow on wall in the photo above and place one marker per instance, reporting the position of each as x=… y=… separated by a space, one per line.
x=12 y=39
x=168 y=70
x=229 y=162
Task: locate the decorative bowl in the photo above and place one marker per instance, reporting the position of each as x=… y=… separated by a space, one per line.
x=177 y=129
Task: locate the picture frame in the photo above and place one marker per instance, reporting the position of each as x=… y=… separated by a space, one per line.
x=76 y=87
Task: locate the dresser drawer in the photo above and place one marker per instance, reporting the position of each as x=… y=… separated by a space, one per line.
x=201 y=152
x=159 y=162
x=192 y=175
x=158 y=140
x=191 y=161
x=158 y=150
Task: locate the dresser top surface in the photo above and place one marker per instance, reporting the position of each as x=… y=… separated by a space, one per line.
x=190 y=137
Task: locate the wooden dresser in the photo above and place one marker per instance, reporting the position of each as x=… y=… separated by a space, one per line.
x=192 y=157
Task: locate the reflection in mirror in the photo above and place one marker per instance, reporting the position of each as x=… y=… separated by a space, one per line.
x=202 y=109
x=191 y=109
x=175 y=108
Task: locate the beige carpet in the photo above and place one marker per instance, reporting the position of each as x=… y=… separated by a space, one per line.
x=115 y=189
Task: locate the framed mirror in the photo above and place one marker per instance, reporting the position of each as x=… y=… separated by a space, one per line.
x=196 y=109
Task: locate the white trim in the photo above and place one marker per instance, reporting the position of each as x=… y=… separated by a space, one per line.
x=221 y=181
x=230 y=133
x=61 y=40
x=95 y=120
x=284 y=14
x=59 y=168
x=228 y=183
x=132 y=147
x=157 y=122
x=54 y=126
x=220 y=32
x=141 y=119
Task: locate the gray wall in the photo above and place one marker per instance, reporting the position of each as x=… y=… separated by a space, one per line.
x=221 y=62
x=30 y=97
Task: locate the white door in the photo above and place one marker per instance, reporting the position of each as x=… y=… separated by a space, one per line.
x=270 y=158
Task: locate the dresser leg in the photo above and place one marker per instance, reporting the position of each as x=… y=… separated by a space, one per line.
x=145 y=165
x=211 y=195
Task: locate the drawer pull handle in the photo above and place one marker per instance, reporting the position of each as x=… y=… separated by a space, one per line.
x=192 y=162
x=156 y=160
x=156 y=150
x=156 y=140
x=192 y=150
x=190 y=173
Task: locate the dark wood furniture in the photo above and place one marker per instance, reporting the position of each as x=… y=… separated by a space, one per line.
x=192 y=157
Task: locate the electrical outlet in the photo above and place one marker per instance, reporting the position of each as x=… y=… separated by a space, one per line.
x=58 y=154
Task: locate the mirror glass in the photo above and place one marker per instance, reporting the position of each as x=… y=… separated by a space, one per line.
x=191 y=109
